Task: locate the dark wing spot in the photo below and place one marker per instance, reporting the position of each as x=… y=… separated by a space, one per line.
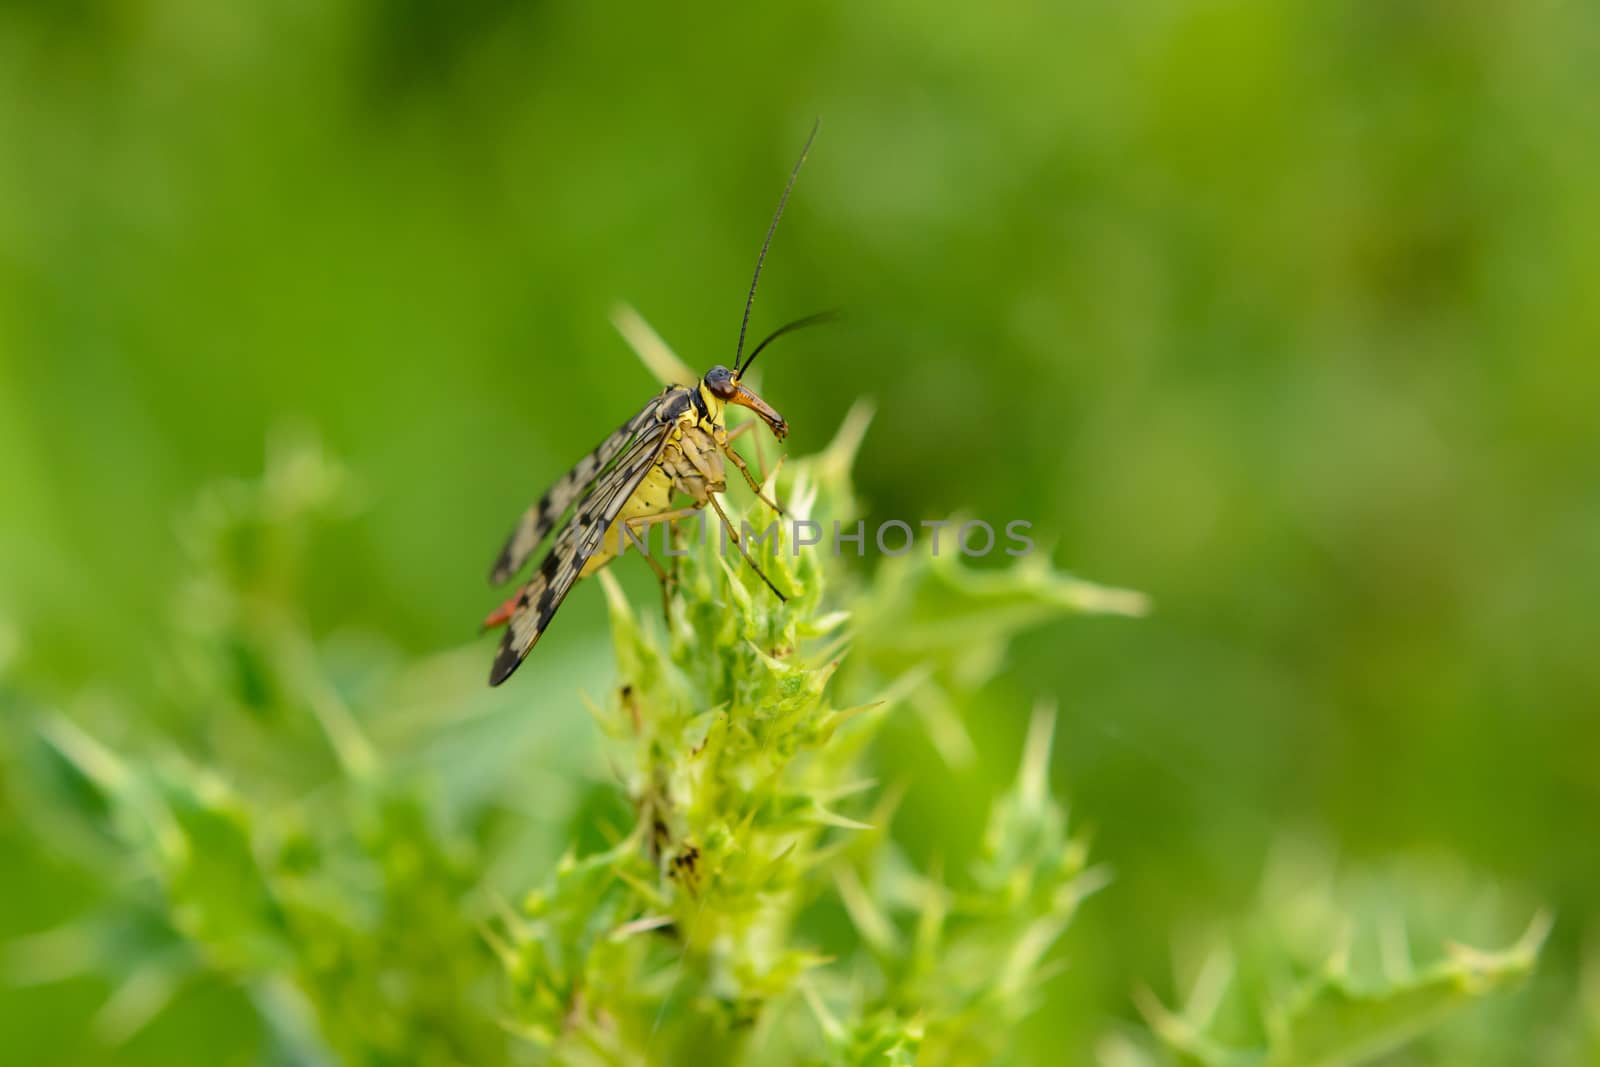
x=506 y=661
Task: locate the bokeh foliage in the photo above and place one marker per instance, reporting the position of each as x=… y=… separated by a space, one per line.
x=1278 y=311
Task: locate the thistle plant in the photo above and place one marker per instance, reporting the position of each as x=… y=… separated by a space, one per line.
x=296 y=820
x=1338 y=968
x=742 y=752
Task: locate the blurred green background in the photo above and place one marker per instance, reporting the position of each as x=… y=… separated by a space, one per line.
x=1281 y=312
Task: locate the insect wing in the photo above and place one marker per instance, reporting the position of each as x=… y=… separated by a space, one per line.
x=543 y=515
x=577 y=541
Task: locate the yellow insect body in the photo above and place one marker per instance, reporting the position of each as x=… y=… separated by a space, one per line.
x=690 y=463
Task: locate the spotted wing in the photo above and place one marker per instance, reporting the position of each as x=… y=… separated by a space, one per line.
x=542 y=595
x=541 y=518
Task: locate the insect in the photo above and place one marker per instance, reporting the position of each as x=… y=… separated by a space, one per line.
x=674 y=447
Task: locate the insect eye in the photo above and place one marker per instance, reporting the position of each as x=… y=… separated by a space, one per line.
x=720 y=381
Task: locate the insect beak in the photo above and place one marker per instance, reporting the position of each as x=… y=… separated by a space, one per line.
x=746 y=399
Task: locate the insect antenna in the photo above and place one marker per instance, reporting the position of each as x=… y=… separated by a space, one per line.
x=817 y=319
x=750 y=300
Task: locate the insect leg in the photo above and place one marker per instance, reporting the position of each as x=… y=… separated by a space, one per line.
x=639 y=522
x=668 y=579
x=755 y=486
x=761 y=457
x=733 y=534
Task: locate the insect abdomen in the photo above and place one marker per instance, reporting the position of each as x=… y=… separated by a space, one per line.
x=653 y=496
